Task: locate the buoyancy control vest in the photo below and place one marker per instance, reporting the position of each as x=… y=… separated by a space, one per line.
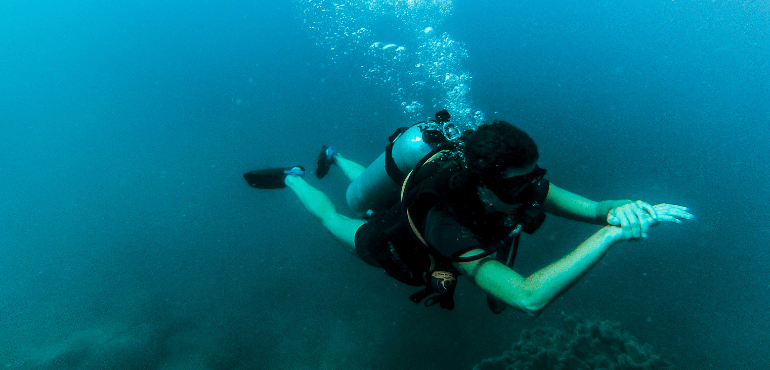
x=439 y=180
x=403 y=252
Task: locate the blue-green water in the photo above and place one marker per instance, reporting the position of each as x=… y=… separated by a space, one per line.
x=128 y=239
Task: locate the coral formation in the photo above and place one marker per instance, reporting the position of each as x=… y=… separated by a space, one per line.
x=581 y=345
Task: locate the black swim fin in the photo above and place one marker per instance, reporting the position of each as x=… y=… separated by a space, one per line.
x=270 y=178
x=324 y=162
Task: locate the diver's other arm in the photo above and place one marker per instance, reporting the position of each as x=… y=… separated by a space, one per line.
x=534 y=293
x=567 y=204
x=627 y=214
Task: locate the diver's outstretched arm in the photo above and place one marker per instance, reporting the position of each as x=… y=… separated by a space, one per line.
x=534 y=293
x=567 y=204
x=627 y=214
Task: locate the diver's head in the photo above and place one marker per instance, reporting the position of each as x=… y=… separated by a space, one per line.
x=495 y=148
x=501 y=160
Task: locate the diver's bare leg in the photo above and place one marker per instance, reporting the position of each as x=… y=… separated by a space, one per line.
x=321 y=207
x=351 y=169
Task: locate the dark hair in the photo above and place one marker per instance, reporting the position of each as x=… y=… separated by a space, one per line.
x=496 y=146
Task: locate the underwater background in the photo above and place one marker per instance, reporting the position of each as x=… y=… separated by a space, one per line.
x=129 y=240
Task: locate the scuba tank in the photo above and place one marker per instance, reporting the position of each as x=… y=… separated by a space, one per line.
x=378 y=186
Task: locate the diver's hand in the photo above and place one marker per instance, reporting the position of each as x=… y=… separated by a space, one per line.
x=651 y=216
x=671 y=213
x=633 y=218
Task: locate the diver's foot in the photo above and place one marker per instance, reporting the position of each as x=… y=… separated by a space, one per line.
x=325 y=161
x=272 y=178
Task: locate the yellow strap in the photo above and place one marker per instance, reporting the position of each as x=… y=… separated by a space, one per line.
x=403 y=194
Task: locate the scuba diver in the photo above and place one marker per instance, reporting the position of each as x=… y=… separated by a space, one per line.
x=439 y=204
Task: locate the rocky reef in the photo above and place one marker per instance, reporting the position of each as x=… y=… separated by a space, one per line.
x=581 y=344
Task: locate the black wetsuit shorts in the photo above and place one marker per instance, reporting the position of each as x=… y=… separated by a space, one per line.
x=366 y=235
x=441 y=231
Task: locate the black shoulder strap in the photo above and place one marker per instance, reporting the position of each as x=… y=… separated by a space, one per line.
x=391 y=168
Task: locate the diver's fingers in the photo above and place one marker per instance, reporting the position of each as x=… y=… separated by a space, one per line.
x=674 y=211
x=667 y=218
x=626 y=225
x=648 y=208
x=644 y=218
x=669 y=206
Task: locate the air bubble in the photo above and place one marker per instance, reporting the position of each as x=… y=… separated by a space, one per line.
x=424 y=67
